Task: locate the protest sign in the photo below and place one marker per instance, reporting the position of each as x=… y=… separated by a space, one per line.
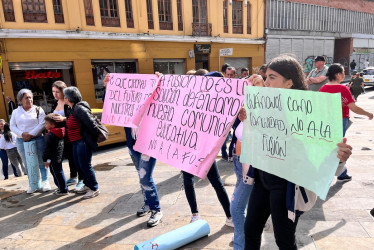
x=293 y=134
x=188 y=120
x=126 y=98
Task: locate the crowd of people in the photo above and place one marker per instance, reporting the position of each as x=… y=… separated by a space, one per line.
x=70 y=130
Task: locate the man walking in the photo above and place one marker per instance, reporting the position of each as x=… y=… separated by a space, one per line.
x=353 y=66
x=317 y=77
x=366 y=63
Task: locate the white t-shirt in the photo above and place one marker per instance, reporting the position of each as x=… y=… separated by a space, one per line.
x=8 y=145
x=366 y=63
x=27 y=121
x=239 y=131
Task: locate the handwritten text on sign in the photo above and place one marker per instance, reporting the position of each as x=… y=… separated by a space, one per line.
x=188 y=120
x=293 y=134
x=126 y=97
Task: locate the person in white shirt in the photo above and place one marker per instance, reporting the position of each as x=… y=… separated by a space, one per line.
x=27 y=123
x=366 y=63
x=8 y=143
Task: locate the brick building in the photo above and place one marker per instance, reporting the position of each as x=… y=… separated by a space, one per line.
x=340 y=30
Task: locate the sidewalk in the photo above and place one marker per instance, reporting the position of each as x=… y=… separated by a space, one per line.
x=44 y=221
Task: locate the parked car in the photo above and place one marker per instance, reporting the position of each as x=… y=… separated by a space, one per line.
x=116 y=133
x=369 y=76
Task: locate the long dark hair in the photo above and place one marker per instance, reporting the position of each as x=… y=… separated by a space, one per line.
x=289 y=68
x=7 y=133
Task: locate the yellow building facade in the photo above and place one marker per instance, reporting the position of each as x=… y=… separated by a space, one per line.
x=78 y=41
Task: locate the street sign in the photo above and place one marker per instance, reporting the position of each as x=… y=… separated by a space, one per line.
x=226 y=52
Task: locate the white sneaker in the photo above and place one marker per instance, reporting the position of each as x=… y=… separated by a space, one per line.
x=46 y=186
x=30 y=191
x=91 y=194
x=82 y=190
x=155 y=218
x=229 y=222
x=195 y=217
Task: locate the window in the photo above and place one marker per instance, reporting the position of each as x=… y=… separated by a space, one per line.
x=169 y=66
x=237 y=17
x=89 y=12
x=200 y=25
x=164 y=15
x=225 y=24
x=8 y=11
x=109 y=13
x=101 y=67
x=199 y=11
x=129 y=17
x=180 y=16
x=59 y=14
x=249 y=24
x=150 y=15
x=34 y=11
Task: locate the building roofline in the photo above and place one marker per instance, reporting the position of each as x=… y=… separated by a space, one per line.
x=72 y=34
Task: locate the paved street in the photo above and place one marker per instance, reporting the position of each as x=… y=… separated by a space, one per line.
x=44 y=221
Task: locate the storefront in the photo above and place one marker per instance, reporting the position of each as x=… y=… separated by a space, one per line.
x=102 y=67
x=39 y=77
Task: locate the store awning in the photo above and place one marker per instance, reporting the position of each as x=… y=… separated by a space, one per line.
x=40 y=65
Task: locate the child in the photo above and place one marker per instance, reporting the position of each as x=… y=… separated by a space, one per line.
x=52 y=155
x=8 y=143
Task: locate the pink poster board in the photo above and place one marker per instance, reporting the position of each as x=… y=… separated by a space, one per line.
x=188 y=119
x=126 y=98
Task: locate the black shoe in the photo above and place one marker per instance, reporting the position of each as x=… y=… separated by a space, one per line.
x=143 y=211
x=345 y=178
x=372 y=212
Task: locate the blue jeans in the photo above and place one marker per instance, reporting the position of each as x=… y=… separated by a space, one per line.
x=4 y=160
x=40 y=147
x=239 y=202
x=345 y=127
x=58 y=176
x=82 y=157
x=144 y=166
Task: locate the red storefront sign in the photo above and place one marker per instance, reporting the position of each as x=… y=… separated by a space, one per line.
x=31 y=74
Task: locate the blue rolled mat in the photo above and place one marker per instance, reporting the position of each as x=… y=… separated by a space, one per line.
x=177 y=238
x=32 y=163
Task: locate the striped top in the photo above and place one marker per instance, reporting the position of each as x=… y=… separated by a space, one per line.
x=74 y=129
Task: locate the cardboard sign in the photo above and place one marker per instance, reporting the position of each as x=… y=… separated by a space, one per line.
x=293 y=134
x=126 y=98
x=188 y=119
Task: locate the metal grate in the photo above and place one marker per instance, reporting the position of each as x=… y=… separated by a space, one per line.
x=150 y=15
x=249 y=17
x=34 y=11
x=285 y=15
x=89 y=12
x=129 y=16
x=225 y=24
x=59 y=13
x=165 y=15
x=237 y=17
x=180 y=16
x=8 y=11
x=109 y=13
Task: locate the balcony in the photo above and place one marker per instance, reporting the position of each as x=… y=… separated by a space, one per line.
x=110 y=21
x=201 y=29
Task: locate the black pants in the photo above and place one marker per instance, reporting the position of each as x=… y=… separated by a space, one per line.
x=232 y=144
x=216 y=181
x=269 y=197
x=68 y=150
x=58 y=176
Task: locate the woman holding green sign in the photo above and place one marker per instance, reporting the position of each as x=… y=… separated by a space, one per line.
x=272 y=195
